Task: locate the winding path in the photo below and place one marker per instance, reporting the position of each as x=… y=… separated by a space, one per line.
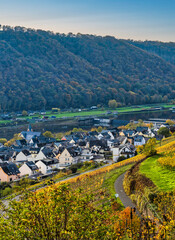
x=122 y=195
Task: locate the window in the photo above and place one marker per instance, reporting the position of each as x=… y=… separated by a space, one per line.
x=10 y=179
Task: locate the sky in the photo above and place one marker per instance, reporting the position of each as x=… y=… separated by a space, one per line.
x=126 y=19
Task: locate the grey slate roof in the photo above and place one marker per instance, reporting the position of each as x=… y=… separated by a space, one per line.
x=10 y=169
x=28 y=135
x=31 y=165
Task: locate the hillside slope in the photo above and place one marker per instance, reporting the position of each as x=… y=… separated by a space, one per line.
x=40 y=69
x=164 y=50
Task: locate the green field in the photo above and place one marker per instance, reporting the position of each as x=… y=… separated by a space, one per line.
x=86 y=113
x=99 y=112
x=162 y=177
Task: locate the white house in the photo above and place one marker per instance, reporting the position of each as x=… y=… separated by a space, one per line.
x=40 y=156
x=86 y=154
x=23 y=156
x=123 y=150
x=28 y=168
x=139 y=140
x=46 y=166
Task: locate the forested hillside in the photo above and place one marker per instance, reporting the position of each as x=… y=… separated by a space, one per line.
x=164 y=50
x=40 y=69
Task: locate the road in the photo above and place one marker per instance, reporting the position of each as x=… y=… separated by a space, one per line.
x=122 y=195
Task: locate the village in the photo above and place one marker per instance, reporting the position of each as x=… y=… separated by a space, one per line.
x=36 y=155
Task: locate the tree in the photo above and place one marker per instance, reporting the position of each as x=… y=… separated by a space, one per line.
x=164 y=131
x=140 y=149
x=16 y=136
x=3 y=140
x=93 y=129
x=112 y=104
x=59 y=135
x=149 y=147
x=170 y=122
x=48 y=134
x=75 y=130
x=99 y=129
x=24 y=113
x=151 y=125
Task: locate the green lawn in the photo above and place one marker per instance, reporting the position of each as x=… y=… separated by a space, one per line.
x=111 y=177
x=162 y=177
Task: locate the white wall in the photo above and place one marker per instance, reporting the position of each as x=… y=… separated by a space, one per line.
x=25 y=170
x=116 y=153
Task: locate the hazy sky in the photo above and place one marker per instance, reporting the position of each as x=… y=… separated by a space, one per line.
x=134 y=19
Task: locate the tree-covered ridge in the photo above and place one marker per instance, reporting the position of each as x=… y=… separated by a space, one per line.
x=164 y=50
x=40 y=69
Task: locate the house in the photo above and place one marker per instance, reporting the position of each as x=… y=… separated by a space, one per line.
x=126 y=150
x=67 y=157
x=40 y=156
x=24 y=155
x=122 y=139
x=41 y=140
x=57 y=145
x=142 y=129
x=9 y=172
x=98 y=158
x=34 y=151
x=28 y=135
x=45 y=152
x=47 y=166
x=21 y=142
x=139 y=140
x=129 y=133
x=28 y=168
x=86 y=154
x=99 y=143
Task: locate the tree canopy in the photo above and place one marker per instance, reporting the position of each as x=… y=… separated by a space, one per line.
x=41 y=70
x=164 y=131
x=112 y=104
x=48 y=134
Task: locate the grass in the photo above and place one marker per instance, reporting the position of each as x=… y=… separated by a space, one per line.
x=96 y=112
x=111 y=177
x=162 y=177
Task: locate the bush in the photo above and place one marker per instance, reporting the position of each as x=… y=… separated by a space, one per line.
x=7 y=191
x=121 y=158
x=73 y=169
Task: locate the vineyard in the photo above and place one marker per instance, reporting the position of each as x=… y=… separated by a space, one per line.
x=85 y=207
x=151 y=185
